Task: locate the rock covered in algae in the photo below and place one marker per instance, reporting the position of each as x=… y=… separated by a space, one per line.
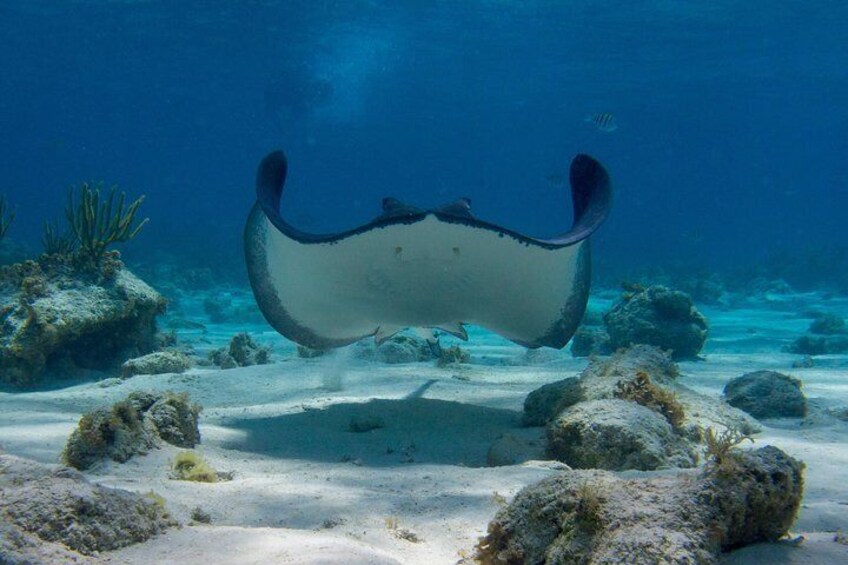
x=819 y=345
x=54 y=515
x=652 y=419
x=595 y=517
x=828 y=324
x=617 y=435
x=398 y=349
x=767 y=394
x=156 y=363
x=53 y=311
x=402 y=350
x=241 y=352
x=599 y=380
x=543 y=404
x=657 y=316
x=133 y=426
x=590 y=341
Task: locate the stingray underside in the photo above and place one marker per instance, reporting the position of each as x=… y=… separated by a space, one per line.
x=438 y=268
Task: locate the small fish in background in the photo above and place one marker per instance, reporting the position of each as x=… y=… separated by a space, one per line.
x=604 y=121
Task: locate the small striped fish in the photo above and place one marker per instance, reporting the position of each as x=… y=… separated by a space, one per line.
x=604 y=121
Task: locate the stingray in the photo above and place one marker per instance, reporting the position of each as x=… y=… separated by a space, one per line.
x=411 y=268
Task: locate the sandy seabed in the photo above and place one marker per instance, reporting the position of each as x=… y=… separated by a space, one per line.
x=306 y=489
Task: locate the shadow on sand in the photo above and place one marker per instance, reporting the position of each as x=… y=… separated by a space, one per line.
x=413 y=429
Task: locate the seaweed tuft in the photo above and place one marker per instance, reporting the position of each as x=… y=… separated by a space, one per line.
x=642 y=390
x=189 y=466
x=99 y=222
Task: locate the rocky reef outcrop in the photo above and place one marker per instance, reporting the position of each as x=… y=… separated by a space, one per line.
x=55 y=312
x=412 y=348
x=595 y=517
x=52 y=514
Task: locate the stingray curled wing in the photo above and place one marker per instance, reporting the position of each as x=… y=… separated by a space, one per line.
x=409 y=267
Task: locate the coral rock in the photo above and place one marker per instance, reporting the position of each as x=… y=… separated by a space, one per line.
x=819 y=345
x=595 y=517
x=132 y=426
x=242 y=352
x=657 y=316
x=616 y=435
x=767 y=394
x=544 y=403
x=51 y=312
x=590 y=341
x=156 y=364
x=646 y=377
x=828 y=324
x=54 y=515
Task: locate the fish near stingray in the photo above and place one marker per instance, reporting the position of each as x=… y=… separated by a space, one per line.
x=438 y=268
x=604 y=122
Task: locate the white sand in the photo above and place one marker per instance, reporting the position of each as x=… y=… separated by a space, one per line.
x=308 y=490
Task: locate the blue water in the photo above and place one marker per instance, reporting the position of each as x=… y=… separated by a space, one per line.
x=730 y=151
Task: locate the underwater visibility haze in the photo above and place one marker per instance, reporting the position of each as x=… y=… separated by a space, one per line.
x=208 y=208
x=727 y=151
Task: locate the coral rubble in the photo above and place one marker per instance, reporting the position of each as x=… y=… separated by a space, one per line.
x=590 y=341
x=399 y=348
x=828 y=324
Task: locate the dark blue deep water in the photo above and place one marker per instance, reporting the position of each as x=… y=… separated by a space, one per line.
x=730 y=153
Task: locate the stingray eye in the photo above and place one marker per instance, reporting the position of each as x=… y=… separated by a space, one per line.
x=456 y=251
x=398 y=251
